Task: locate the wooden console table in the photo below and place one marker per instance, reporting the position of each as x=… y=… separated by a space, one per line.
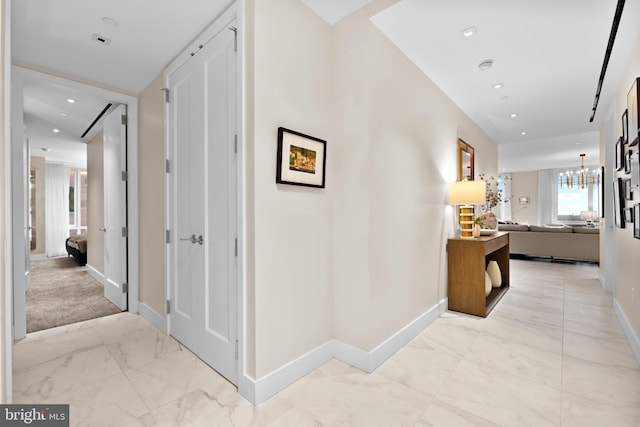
x=467 y=262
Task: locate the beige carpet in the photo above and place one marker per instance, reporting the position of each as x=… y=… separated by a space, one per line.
x=62 y=292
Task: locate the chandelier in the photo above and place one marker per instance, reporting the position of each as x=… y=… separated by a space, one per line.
x=579 y=179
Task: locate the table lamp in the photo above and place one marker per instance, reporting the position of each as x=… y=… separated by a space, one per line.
x=466 y=194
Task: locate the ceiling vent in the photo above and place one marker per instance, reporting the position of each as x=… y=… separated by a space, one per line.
x=101 y=40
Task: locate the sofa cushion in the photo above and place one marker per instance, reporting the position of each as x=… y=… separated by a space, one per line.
x=513 y=227
x=551 y=229
x=586 y=230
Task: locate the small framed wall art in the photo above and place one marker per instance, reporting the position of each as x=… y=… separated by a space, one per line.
x=628 y=215
x=635 y=170
x=618 y=202
x=620 y=154
x=625 y=126
x=601 y=201
x=628 y=192
x=633 y=97
x=301 y=159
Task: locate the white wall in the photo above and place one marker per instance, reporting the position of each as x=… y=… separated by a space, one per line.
x=292 y=237
x=364 y=257
x=524 y=184
x=5 y=283
x=627 y=267
x=151 y=172
x=396 y=137
x=95 y=203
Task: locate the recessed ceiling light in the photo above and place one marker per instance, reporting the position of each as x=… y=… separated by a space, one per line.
x=468 y=32
x=523 y=133
x=498 y=85
x=513 y=115
x=56 y=130
x=486 y=64
x=71 y=100
x=110 y=21
x=63 y=114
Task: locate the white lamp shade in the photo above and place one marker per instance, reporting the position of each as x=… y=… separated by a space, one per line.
x=467 y=192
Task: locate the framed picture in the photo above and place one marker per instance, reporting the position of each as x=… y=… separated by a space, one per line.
x=620 y=154
x=627 y=161
x=618 y=205
x=625 y=126
x=635 y=170
x=601 y=185
x=301 y=159
x=628 y=215
x=633 y=112
x=636 y=224
x=628 y=193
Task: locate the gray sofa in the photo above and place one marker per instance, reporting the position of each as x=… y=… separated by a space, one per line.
x=577 y=243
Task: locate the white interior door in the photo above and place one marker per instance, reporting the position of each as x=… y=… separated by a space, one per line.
x=202 y=117
x=115 y=207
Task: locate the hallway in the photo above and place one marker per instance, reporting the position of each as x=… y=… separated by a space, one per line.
x=552 y=353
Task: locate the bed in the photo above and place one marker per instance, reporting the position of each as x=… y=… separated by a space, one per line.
x=77 y=247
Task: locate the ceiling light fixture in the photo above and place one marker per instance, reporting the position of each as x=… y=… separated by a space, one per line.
x=468 y=32
x=55 y=130
x=497 y=85
x=513 y=115
x=580 y=178
x=63 y=114
x=486 y=64
x=71 y=100
x=523 y=133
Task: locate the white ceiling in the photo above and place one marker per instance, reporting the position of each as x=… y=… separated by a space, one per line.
x=57 y=35
x=548 y=55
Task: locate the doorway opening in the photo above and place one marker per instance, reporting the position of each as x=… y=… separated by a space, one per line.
x=90 y=265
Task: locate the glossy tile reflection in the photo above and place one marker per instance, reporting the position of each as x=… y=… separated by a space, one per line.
x=552 y=353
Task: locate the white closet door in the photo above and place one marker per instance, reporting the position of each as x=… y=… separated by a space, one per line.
x=202 y=126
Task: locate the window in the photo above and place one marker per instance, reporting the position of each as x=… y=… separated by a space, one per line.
x=577 y=192
x=77 y=201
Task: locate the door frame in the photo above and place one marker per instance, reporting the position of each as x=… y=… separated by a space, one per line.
x=245 y=385
x=19 y=74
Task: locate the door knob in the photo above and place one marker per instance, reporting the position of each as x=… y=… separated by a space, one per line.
x=200 y=240
x=191 y=239
x=102 y=229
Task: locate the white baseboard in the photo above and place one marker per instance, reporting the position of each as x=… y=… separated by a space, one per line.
x=95 y=274
x=283 y=377
x=257 y=391
x=628 y=329
x=153 y=317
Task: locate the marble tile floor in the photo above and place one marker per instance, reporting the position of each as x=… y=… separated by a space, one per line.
x=552 y=353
